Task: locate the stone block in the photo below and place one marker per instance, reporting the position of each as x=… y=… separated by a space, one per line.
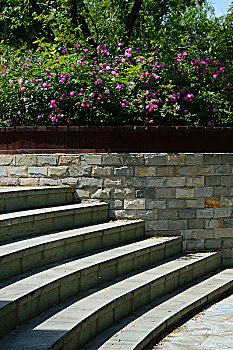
x=133 y=159
x=59 y=171
x=94 y=159
x=203 y=192
x=189 y=234
x=166 y=192
x=48 y=182
x=4 y=181
x=111 y=159
x=195 y=223
x=227 y=242
x=148 y=192
x=101 y=171
x=213 y=180
x=194 y=181
x=165 y=170
x=19 y=171
x=227 y=158
x=90 y=182
x=76 y=170
x=187 y=170
x=135 y=182
x=227 y=253
x=227 y=201
x=177 y=181
x=211 y=202
x=102 y=193
x=124 y=214
x=124 y=193
x=195 y=244
x=177 y=224
x=161 y=225
x=206 y=170
x=147 y=214
x=175 y=159
x=193 y=159
x=213 y=223
x=167 y=214
x=83 y=193
x=187 y=213
x=212 y=243
x=205 y=233
x=114 y=182
x=155 y=159
x=138 y=203
x=184 y=193
x=175 y=203
x=69 y=160
x=221 y=191
x=3 y=171
x=155 y=181
x=205 y=213
x=222 y=169
x=117 y=204
x=222 y=212
x=31 y=181
x=124 y=171
x=227 y=180
x=43 y=160
x=25 y=160
x=69 y=181
x=7 y=159
x=195 y=203
x=155 y=203
x=223 y=232
x=145 y=171
x=212 y=159
x=37 y=171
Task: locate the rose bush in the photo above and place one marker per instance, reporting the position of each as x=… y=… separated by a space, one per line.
x=115 y=87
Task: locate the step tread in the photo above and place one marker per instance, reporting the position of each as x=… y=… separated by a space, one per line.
x=55 y=326
x=138 y=328
x=14 y=216
x=22 y=245
x=24 y=190
x=32 y=282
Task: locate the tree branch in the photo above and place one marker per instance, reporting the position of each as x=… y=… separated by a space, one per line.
x=38 y=10
x=132 y=20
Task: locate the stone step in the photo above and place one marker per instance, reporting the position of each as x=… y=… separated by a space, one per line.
x=150 y=322
x=72 y=324
x=20 y=198
x=26 y=296
x=25 y=254
x=36 y=221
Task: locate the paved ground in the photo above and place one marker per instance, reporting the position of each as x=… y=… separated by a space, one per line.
x=211 y=329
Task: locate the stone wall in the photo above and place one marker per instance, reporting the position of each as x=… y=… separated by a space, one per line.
x=176 y=194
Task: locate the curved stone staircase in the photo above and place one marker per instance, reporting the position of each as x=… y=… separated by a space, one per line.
x=72 y=279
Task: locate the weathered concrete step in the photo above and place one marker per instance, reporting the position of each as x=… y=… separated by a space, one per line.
x=94 y=311
x=30 y=222
x=33 y=293
x=20 y=198
x=150 y=322
x=29 y=253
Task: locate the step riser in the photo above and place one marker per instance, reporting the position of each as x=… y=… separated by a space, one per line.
x=43 y=223
x=18 y=312
x=35 y=201
x=103 y=318
x=65 y=248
